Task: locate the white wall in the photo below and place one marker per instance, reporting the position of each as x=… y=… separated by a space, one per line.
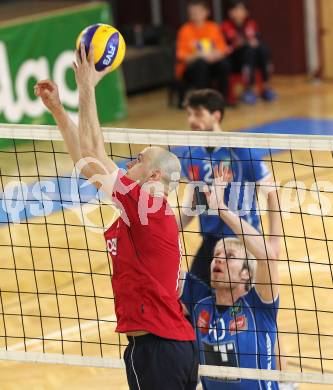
x=156 y=13
x=311 y=36
x=217 y=11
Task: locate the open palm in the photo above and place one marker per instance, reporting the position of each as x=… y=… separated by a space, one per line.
x=84 y=68
x=215 y=197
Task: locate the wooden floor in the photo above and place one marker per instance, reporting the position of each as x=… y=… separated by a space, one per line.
x=86 y=267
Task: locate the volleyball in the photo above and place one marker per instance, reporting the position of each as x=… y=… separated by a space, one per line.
x=109 y=45
x=205 y=46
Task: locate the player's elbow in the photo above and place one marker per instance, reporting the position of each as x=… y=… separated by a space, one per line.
x=94 y=152
x=87 y=151
x=271 y=254
x=93 y=159
x=91 y=147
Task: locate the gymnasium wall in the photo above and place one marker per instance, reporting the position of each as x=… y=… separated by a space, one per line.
x=281 y=22
x=282 y=25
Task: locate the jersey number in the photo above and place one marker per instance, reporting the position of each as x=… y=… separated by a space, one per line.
x=224 y=354
x=208 y=178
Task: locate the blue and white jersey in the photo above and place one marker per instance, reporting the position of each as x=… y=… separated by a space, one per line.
x=245 y=169
x=242 y=335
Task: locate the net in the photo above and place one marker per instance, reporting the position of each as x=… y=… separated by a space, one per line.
x=56 y=299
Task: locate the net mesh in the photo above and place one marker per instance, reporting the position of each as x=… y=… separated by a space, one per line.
x=56 y=298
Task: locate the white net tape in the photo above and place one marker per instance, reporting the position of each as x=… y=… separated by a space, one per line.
x=180 y=138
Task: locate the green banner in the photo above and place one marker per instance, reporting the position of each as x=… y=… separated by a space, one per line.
x=43 y=47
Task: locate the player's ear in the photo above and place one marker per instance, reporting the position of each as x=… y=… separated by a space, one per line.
x=217 y=116
x=156 y=175
x=245 y=274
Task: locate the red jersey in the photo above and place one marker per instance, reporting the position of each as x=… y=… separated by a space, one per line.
x=146 y=257
x=232 y=33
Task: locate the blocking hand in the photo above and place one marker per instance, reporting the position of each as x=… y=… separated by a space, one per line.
x=215 y=197
x=84 y=68
x=47 y=90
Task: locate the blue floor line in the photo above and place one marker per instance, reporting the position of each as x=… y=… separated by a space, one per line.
x=43 y=198
x=298 y=126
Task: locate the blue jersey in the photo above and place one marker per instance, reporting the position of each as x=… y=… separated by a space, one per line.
x=245 y=169
x=242 y=335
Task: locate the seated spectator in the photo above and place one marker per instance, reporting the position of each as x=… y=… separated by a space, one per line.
x=201 y=50
x=248 y=52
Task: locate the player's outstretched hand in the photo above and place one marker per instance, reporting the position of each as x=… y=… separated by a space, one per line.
x=215 y=197
x=84 y=68
x=47 y=90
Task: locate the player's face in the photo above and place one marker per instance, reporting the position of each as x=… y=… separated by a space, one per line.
x=200 y=119
x=226 y=267
x=139 y=169
x=238 y=14
x=197 y=13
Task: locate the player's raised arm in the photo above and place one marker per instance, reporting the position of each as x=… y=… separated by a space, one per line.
x=267 y=278
x=47 y=90
x=90 y=135
x=274 y=219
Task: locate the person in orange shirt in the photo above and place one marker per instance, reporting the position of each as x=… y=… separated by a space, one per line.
x=201 y=50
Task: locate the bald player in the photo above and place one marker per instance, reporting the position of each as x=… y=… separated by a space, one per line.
x=143 y=242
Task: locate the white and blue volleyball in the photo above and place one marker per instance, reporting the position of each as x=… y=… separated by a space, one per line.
x=109 y=45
